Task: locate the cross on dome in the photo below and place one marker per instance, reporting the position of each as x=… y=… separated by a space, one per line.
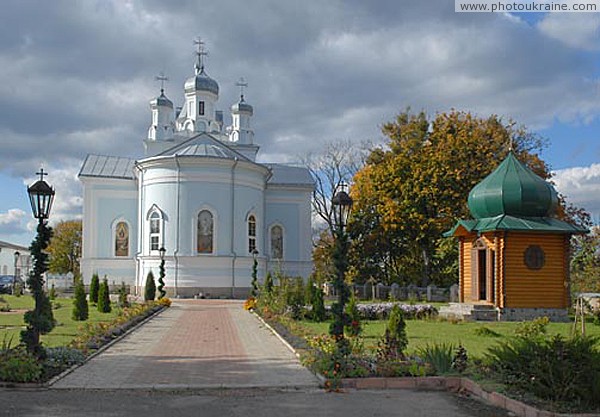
x=162 y=78
x=242 y=83
x=201 y=53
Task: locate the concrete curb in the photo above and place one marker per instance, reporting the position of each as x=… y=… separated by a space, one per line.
x=29 y=386
x=320 y=377
x=458 y=385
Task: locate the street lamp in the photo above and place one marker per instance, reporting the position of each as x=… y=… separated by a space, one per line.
x=40 y=320
x=342 y=205
x=17 y=254
x=161 y=282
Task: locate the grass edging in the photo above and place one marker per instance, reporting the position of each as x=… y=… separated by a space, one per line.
x=56 y=378
x=320 y=377
x=102 y=348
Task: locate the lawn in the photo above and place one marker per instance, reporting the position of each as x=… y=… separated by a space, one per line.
x=423 y=332
x=66 y=329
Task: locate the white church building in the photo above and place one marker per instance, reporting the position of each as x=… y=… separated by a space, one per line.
x=199 y=193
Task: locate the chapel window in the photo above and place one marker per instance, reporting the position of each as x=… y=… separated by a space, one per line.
x=277 y=242
x=205 y=232
x=251 y=234
x=122 y=239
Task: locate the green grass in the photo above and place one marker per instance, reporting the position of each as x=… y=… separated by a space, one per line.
x=423 y=332
x=65 y=330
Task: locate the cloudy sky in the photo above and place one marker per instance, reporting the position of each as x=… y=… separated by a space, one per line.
x=76 y=77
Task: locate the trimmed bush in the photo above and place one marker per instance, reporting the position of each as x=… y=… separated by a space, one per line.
x=123 y=301
x=80 y=304
x=394 y=341
x=552 y=368
x=104 y=297
x=150 y=289
x=18 y=365
x=94 y=287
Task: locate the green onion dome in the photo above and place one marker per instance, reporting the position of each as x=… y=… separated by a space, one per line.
x=515 y=190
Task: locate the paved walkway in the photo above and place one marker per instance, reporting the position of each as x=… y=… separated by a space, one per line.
x=195 y=344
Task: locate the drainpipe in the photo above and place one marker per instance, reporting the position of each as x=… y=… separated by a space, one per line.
x=176 y=251
x=233 y=254
x=140 y=227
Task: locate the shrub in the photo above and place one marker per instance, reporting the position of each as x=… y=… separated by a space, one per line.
x=80 y=304
x=439 y=355
x=123 y=301
x=460 y=360
x=18 y=365
x=250 y=304
x=552 y=368
x=317 y=302
x=150 y=289
x=394 y=341
x=352 y=327
x=293 y=295
x=534 y=328
x=94 y=287
x=104 y=297
x=61 y=358
x=52 y=293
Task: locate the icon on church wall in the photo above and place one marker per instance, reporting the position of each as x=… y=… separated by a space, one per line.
x=122 y=239
x=277 y=242
x=205 y=232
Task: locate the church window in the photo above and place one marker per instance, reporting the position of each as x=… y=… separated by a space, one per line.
x=201 y=108
x=155 y=231
x=251 y=234
x=277 y=242
x=205 y=232
x=122 y=239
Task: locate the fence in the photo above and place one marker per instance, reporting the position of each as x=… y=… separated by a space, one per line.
x=379 y=291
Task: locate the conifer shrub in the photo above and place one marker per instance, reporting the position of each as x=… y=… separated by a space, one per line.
x=317 y=302
x=150 y=289
x=80 y=304
x=394 y=341
x=52 y=293
x=353 y=327
x=94 y=287
x=104 y=297
x=123 y=301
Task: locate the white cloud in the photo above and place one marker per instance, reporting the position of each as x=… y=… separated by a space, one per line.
x=578 y=30
x=13 y=222
x=581 y=186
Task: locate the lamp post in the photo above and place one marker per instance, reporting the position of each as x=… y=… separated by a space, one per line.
x=254 y=292
x=161 y=282
x=40 y=320
x=17 y=254
x=341 y=205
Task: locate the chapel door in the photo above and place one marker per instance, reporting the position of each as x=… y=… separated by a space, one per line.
x=483 y=276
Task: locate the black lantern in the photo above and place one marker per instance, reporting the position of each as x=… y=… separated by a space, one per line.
x=41 y=196
x=161 y=253
x=342 y=205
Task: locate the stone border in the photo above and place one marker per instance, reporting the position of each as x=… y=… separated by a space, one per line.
x=456 y=385
x=56 y=378
x=434 y=383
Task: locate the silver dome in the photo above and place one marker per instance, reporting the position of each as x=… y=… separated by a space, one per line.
x=202 y=82
x=242 y=106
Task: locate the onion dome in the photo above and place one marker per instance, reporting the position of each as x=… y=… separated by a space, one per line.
x=515 y=190
x=242 y=107
x=202 y=82
x=162 y=100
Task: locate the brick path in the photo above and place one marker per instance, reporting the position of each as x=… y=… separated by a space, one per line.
x=194 y=344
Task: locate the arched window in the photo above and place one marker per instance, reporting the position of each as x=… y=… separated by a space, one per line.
x=121 y=239
x=205 y=232
x=277 y=242
x=251 y=234
x=155 y=230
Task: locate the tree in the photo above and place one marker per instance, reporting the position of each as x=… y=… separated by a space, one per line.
x=104 y=297
x=337 y=163
x=80 y=304
x=94 y=287
x=150 y=289
x=585 y=263
x=65 y=248
x=323 y=270
x=407 y=195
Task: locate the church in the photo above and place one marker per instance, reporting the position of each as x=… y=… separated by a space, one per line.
x=200 y=194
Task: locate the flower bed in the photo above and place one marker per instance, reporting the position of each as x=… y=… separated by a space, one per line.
x=381 y=311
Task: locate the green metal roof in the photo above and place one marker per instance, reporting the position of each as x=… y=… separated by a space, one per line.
x=524 y=224
x=512 y=189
